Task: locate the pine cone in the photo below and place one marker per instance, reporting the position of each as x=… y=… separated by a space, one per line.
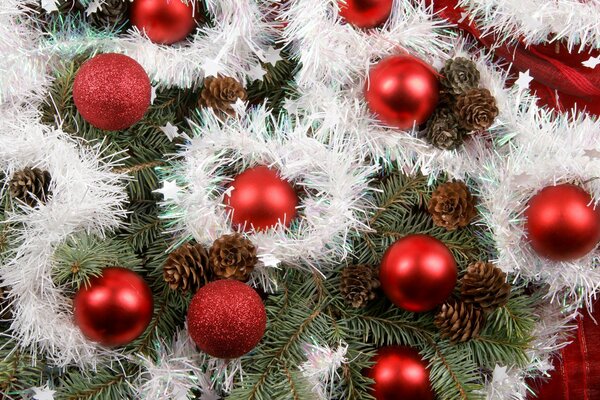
x=233 y=257
x=187 y=268
x=30 y=185
x=459 y=75
x=476 y=109
x=111 y=13
x=358 y=284
x=484 y=285
x=221 y=93
x=459 y=321
x=452 y=206
x=443 y=130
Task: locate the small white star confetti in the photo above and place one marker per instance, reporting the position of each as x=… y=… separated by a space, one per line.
x=524 y=80
x=153 y=94
x=43 y=393
x=170 y=130
x=211 y=68
x=93 y=7
x=256 y=73
x=290 y=106
x=239 y=107
x=272 y=55
x=592 y=63
x=269 y=260
x=500 y=374
x=49 y=5
x=169 y=190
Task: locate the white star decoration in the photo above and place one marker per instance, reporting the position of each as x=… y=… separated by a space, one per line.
x=524 y=80
x=256 y=73
x=49 y=5
x=170 y=130
x=43 y=393
x=272 y=55
x=153 y=94
x=592 y=63
x=211 y=68
x=239 y=107
x=93 y=7
x=169 y=190
x=500 y=374
x=290 y=106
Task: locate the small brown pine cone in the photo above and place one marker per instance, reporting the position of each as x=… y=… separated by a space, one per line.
x=110 y=14
x=233 y=257
x=443 y=129
x=187 y=268
x=30 y=185
x=358 y=284
x=459 y=75
x=221 y=93
x=459 y=321
x=476 y=109
x=452 y=205
x=484 y=285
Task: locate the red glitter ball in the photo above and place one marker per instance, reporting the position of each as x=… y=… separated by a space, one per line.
x=226 y=319
x=112 y=91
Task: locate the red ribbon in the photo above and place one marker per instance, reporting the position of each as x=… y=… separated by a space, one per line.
x=556 y=71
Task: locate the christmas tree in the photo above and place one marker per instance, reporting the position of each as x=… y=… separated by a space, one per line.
x=299 y=199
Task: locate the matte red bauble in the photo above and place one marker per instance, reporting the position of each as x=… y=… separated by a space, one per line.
x=115 y=308
x=164 y=21
x=112 y=91
x=418 y=273
x=562 y=222
x=260 y=198
x=402 y=91
x=399 y=372
x=365 y=13
x=226 y=319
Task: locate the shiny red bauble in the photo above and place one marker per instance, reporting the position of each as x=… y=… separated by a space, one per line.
x=260 y=198
x=400 y=372
x=562 y=222
x=164 y=21
x=365 y=13
x=418 y=273
x=115 y=308
x=402 y=91
x=112 y=91
x=226 y=319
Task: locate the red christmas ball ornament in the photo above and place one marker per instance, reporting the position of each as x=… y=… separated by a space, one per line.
x=365 y=13
x=226 y=319
x=562 y=222
x=260 y=199
x=112 y=91
x=402 y=91
x=418 y=273
x=399 y=372
x=164 y=21
x=115 y=308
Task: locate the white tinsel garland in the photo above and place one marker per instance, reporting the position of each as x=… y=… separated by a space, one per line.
x=334 y=176
x=539 y=21
x=86 y=197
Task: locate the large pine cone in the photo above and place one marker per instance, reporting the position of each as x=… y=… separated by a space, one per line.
x=459 y=321
x=30 y=185
x=233 y=257
x=221 y=93
x=187 y=268
x=459 y=75
x=476 y=109
x=110 y=14
x=443 y=129
x=358 y=284
x=484 y=285
x=452 y=205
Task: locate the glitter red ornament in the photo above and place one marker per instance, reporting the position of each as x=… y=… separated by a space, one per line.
x=164 y=21
x=399 y=372
x=112 y=91
x=418 y=273
x=226 y=319
x=115 y=308
x=365 y=13
x=562 y=222
x=260 y=198
x=402 y=91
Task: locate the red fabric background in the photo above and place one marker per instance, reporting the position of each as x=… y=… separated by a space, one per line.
x=555 y=72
